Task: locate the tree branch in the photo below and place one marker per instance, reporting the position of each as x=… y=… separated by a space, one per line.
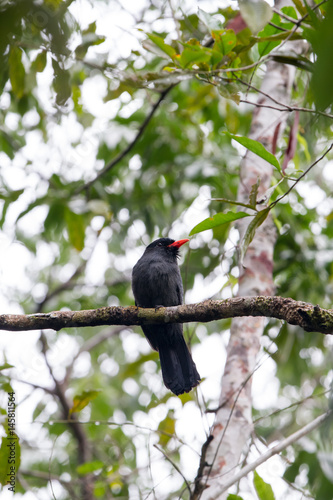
x=175 y=466
x=131 y=145
x=84 y=454
x=304 y=174
x=309 y=317
x=276 y=449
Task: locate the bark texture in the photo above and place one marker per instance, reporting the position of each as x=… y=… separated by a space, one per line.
x=309 y=317
x=233 y=423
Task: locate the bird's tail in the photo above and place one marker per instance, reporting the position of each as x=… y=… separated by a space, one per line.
x=178 y=368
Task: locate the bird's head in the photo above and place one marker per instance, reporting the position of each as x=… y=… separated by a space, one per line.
x=166 y=246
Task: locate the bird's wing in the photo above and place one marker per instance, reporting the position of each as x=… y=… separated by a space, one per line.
x=179 y=290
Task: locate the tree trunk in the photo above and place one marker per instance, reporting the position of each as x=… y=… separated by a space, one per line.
x=233 y=423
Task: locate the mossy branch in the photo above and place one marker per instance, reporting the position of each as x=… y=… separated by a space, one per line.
x=309 y=317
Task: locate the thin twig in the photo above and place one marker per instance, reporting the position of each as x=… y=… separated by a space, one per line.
x=62 y=287
x=130 y=146
x=147 y=120
x=275 y=450
x=268 y=106
x=50 y=465
x=236 y=394
x=76 y=428
x=301 y=177
x=109 y=423
x=145 y=123
x=259 y=91
x=292 y=405
x=288 y=108
x=199 y=487
x=285 y=106
x=238 y=390
x=35 y=386
x=175 y=467
x=299 y=22
x=45 y=476
x=282 y=14
x=277 y=27
x=313 y=8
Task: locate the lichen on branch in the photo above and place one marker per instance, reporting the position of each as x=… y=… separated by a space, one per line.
x=310 y=317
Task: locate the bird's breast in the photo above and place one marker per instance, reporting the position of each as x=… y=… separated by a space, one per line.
x=157 y=284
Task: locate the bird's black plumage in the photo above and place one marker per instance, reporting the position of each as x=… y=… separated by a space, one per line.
x=156 y=281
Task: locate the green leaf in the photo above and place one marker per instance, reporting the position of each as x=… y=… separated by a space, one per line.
x=88 y=40
x=91 y=28
x=279 y=37
x=167 y=428
x=300 y=7
x=11 y=195
x=289 y=11
x=10 y=456
x=216 y=58
x=256 y=13
x=7 y=144
x=256 y=148
x=101 y=489
x=159 y=42
x=40 y=62
x=5 y=386
x=89 y=467
x=61 y=84
x=8 y=197
x=229 y=91
x=16 y=71
x=265 y=47
x=217 y=220
x=38 y=410
x=305 y=146
x=233 y=202
x=253 y=194
x=75 y=228
x=188 y=396
x=31 y=206
x=5 y=366
x=225 y=41
x=132 y=369
x=194 y=55
x=82 y=400
x=155 y=401
x=54 y=220
x=299 y=61
x=234 y=497
x=251 y=229
x=326 y=463
x=313 y=17
x=322 y=77
x=211 y=21
x=264 y=490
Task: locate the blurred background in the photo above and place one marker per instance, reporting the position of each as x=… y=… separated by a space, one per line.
x=78 y=81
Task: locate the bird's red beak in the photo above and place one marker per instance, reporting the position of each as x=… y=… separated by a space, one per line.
x=179 y=243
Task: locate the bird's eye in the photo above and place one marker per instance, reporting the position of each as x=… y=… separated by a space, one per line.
x=159 y=244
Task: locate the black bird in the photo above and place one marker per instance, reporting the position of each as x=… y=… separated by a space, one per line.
x=156 y=281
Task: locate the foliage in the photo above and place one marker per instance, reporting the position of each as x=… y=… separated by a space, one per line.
x=71 y=102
